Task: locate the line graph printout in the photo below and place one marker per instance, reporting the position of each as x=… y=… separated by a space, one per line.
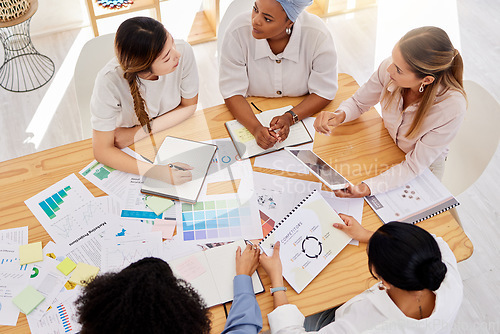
x=119 y=252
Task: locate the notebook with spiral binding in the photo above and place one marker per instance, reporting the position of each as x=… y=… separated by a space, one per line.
x=308 y=240
x=422 y=198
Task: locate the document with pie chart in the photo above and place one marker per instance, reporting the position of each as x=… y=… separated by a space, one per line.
x=308 y=240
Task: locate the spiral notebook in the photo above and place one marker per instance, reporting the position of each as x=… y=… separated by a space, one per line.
x=422 y=198
x=309 y=242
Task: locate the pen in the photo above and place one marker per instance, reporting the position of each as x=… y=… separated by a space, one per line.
x=255 y=107
x=176 y=167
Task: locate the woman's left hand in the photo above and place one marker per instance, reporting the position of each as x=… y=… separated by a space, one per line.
x=281 y=125
x=248 y=261
x=361 y=190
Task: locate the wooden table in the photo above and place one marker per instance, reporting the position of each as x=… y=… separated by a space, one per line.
x=360 y=149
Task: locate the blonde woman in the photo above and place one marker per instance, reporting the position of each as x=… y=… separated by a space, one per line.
x=423 y=105
x=278 y=50
x=151 y=85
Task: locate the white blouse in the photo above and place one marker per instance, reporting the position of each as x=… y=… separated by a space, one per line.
x=373 y=311
x=112 y=105
x=431 y=143
x=308 y=64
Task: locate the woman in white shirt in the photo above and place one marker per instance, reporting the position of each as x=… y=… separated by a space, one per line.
x=151 y=85
x=280 y=50
x=423 y=105
x=420 y=289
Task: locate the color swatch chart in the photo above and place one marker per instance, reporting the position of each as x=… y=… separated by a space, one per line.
x=51 y=204
x=213 y=219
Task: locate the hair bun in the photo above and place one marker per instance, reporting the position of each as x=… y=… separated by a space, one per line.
x=431 y=273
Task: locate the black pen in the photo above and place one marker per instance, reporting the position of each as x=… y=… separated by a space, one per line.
x=255 y=107
x=176 y=167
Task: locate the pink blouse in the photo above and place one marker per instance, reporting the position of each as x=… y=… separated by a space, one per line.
x=430 y=144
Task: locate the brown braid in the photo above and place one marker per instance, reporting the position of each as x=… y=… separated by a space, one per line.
x=139 y=104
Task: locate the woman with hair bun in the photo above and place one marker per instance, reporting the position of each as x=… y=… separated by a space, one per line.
x=151 y=85
x=419 y=289
x=423 y=104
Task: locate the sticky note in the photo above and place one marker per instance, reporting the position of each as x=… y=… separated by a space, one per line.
x=244 y=135
x=158 y=204
x=28 y=299
x=30 y=253
x=83 y=273
x=66 y=266
x=167 y=228
x=190 y=268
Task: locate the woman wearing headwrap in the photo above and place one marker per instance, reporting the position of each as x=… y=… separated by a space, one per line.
x=280 y=50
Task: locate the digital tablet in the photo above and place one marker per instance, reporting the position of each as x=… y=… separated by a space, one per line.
x=319 y=168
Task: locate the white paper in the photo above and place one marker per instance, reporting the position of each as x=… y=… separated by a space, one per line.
x=277 y=195
x=16 y=236
x=349 y=206
x=49 y=281
x=112 y=181
x=282 y=160
x=120 y=252
x=60 y=319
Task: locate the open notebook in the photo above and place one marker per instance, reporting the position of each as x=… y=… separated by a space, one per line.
x=245 y=142
x=421 y=198
x=308 y=240
x=196 y=154
x=211 y=272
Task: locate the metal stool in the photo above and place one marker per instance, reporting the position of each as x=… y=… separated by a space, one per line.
x=24 y=68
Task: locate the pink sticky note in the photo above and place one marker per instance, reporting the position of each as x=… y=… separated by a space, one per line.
x=167 y=228
x=191 y=268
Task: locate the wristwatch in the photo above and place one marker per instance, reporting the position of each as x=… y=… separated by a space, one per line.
x=279 y=288
x=295 y=118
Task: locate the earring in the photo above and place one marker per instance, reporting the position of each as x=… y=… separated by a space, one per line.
x=421 y=89
x=288 y=30
x=381 y=286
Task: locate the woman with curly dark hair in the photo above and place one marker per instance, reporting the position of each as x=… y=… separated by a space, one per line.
x=144 y=297
x=147 y=297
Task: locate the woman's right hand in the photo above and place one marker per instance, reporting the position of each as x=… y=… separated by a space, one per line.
x=264 y=137
x=179 y=175
x=272 y=265
x=353 y=228
x=326 y=121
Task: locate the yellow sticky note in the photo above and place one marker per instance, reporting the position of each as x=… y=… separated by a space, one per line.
x=158 y=204
x=28 y=299
x=66 y=266
x=83 y=273
x=244 y=135
x=30 y=253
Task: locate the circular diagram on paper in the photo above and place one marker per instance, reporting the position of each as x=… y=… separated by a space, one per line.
x=312 y=247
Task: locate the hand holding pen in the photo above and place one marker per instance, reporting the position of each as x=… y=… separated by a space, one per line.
x=179 y=173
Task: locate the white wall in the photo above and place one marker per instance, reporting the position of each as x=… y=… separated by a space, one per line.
x=58 y=15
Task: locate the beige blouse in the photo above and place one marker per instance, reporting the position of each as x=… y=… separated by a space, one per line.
x=432 y=141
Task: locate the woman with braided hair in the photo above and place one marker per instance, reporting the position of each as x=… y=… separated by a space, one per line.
x=151 y=85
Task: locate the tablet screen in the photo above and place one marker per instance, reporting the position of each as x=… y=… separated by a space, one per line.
x=319 y=167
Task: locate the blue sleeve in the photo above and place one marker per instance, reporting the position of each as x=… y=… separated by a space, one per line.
x=244 y=316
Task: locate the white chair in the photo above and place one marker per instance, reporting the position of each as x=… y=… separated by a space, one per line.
x=234 y=9
x=94 y=55
x=476 y=142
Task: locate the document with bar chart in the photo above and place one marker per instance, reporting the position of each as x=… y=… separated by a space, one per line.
x=53 y=207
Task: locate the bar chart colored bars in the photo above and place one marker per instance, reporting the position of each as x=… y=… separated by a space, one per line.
x=51 y=204
x=64 y=317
